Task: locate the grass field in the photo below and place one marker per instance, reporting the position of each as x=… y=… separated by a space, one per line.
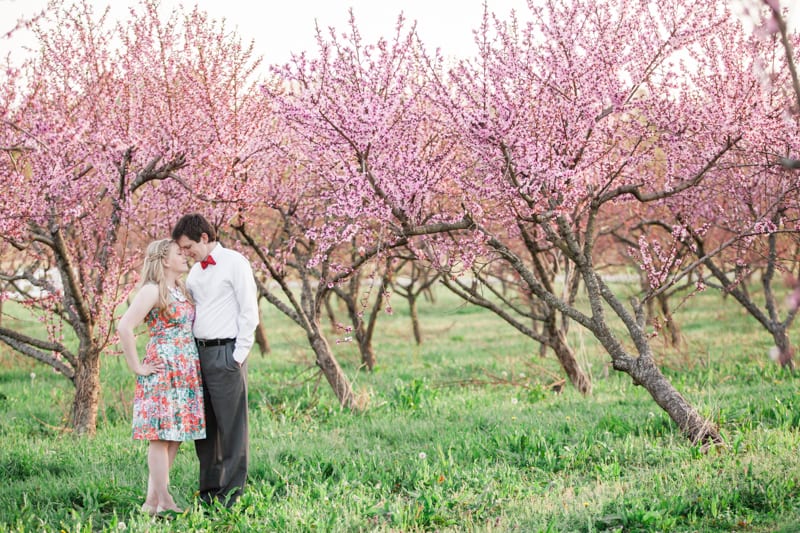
x=461 y=434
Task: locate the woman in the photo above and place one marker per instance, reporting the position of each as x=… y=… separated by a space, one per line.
x=168 y=403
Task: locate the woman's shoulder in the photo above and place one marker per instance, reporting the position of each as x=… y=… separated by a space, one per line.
x=145 y=300
x=149 y=286
x=148 y=291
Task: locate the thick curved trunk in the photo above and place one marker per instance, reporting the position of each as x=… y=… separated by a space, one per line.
x=331 y=369
x=697 y=429
x=83 y=416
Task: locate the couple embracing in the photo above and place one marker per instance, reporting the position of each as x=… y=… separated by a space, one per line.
x=192 y=382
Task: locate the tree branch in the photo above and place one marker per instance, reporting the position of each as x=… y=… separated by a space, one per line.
x=470 y=296
x=28 y=346
x=151 y=173
x=635 y=191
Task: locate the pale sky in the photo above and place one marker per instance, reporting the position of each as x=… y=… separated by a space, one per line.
x=280 y=27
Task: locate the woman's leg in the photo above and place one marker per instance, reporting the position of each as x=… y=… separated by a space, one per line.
x=155 y=476
x=173 y=451
x=158 y=459
x=151 y=500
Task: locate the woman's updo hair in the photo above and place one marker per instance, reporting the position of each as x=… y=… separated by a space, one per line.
x=153 y=271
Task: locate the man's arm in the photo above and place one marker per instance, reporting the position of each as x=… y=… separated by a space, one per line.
x=244 y=287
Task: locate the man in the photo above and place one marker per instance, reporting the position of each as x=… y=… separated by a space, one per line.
x=224 y=292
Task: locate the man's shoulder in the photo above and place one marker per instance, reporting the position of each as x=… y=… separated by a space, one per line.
x=195 y=268
x=234 y=255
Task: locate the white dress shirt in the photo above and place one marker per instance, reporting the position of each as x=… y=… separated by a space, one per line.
x=226 y=300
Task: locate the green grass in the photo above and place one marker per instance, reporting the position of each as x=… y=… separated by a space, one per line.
x=461 y=434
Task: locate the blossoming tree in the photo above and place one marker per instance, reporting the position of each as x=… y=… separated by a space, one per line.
x=565 y=118
x=103 y=119
x=743 y=219
x=357 y=173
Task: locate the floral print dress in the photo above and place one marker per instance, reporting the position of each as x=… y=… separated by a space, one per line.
x=168 y=405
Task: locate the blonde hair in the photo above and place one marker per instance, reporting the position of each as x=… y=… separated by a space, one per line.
x=153 y=272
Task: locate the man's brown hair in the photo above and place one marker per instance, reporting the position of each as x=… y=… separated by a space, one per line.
x=193 y=226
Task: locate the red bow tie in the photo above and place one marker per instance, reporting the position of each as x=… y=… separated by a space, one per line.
x=207 y=261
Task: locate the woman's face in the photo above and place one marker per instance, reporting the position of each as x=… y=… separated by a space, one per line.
x=175 y=260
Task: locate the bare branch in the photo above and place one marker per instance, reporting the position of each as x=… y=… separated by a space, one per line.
x=297 y=315
x=264 y=291
x=151 y=173
x=32 y=348
x=473 y=298
x=635 y=191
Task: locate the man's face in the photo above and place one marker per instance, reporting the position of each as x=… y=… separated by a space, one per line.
x=194 y=249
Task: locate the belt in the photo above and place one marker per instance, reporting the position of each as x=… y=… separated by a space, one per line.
x=202 y=343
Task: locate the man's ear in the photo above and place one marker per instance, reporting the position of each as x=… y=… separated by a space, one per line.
x=204 y=238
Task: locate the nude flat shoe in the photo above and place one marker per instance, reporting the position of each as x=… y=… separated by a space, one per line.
x=149 y=509
x=176 y=509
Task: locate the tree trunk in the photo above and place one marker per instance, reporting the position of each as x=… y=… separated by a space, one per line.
x=650 y=306
x=646 y=373
x=363 y=339
x=329 y=310
x=369 y=330
x=669 y=321
x=83 y=417
x=261 y=338
x=430 y=295
x=365 y=346
x=536 y=326
x=331 y=369
x=565 y=355
x=412 y=311
x=784 y=345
